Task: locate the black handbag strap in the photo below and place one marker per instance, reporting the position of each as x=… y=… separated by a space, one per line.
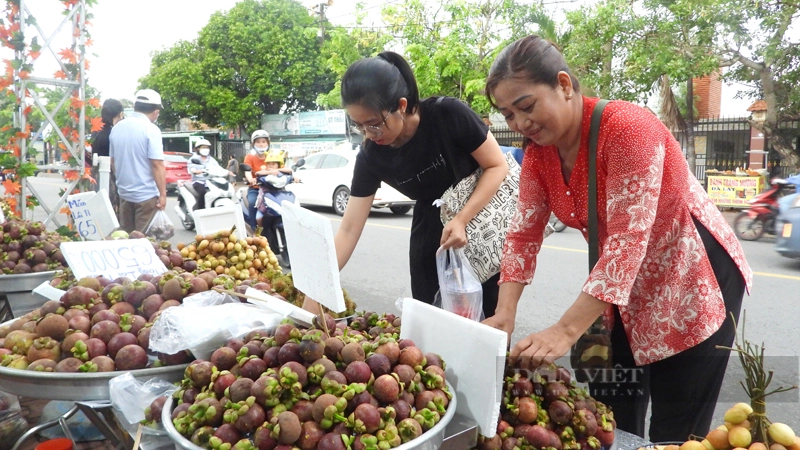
x=594 y=131
x=460 y=166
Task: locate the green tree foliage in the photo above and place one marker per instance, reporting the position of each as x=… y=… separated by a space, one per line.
x=756 y=44
x=346 y=45
x=260 y=57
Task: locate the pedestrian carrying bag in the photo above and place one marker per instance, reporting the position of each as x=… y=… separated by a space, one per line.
x=486 y=232
x=592 y=351
x=459 y=289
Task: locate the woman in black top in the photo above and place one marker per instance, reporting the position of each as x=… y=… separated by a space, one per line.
x=405 y=148
x=111 y=114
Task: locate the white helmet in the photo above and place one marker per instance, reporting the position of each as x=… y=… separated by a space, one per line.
x=258 y=134
x=201 y=143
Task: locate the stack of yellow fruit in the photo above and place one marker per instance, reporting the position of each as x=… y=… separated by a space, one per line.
x=737 y=434
x=223 y=253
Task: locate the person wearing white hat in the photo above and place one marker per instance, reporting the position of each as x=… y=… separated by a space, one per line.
x=137 y=156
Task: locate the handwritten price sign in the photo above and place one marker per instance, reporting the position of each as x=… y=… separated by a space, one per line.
x=93 y=215
x=120 y=258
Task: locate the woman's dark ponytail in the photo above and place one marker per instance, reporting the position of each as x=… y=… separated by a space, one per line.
x=378 y=83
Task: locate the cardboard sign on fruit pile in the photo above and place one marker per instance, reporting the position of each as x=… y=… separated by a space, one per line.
x=93 y=215
x=315 y=270
x=475 y=355
x=118 y=258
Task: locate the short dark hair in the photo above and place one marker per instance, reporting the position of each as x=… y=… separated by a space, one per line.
x=378 y=83
x=145 y=108
x=111 y=108
x=532 y=59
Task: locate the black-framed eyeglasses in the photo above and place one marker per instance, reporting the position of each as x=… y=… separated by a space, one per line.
x=375 y=130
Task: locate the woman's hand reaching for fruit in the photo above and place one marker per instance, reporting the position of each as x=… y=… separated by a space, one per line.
x=543 y=347
x=502 y=321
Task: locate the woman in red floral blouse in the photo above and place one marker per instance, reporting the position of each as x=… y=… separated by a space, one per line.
x=670 y=270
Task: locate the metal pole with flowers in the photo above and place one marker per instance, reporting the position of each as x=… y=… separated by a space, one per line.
x=68 y=130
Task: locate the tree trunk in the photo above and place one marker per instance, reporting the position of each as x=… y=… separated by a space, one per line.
x=691 y=157
x=770 y=126
x=605 y=90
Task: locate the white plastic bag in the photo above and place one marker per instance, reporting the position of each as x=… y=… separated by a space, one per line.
x=202 y=330
x=131 y=397
x=160 y=228
x=460 y=291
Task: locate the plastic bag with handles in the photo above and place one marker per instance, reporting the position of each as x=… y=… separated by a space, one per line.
x=160 y=227
x=459 y=289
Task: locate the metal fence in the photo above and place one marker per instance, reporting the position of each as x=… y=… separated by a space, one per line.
x=227 y=148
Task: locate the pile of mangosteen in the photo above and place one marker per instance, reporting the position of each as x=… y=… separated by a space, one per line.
x=545 y=409
x=27 y=247
x=359 y=388
x=98 y=325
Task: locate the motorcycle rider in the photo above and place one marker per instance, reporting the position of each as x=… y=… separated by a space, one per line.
x=199 y=171
x=273 y=165
x=256 y=159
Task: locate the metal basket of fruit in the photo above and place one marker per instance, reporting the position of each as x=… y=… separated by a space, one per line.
x=299 y=388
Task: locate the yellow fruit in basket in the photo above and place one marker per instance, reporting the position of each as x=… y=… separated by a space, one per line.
x=740 y=437
x=796 y=445
x=707 y=445
x=671 y=447
x=735 y=415
x=757 y=446
x=776 y=446
x=718 y=439
x=692 y=445
x=782 y=434
x=745 y=407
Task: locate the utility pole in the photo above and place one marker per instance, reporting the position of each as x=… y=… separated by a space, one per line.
x=321 y=12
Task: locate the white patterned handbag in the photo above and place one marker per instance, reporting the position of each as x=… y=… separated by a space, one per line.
x=486 y=232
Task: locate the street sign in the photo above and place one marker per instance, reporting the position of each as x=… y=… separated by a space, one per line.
x=112 y=259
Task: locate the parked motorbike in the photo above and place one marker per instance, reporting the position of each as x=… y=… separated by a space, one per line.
x=219 y=193
x=272 y=221
x=752 y=223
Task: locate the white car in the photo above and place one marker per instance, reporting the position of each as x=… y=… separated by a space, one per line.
x=325 y=179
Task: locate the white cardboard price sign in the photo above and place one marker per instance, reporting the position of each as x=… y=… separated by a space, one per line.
x=93 y=215
x=315 y=269
x=119 y=258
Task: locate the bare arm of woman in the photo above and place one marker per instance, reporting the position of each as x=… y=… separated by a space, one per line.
x=490 y=158
x=347 y=236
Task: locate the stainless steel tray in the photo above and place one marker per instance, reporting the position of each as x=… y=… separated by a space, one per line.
x=430 y=440
x=24 y=282
x=75 y=386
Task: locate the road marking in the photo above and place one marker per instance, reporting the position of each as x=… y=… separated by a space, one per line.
x=578 y=250
x=565 y=249
x=777 y=275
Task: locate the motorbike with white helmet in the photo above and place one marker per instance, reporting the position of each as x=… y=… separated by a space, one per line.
x=261 y=204
x=208 y=188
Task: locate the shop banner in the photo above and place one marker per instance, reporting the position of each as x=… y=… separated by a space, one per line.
x=112 y=259
x=323 y=122
x=279 y=124
x=734 y=191
x=93 y=215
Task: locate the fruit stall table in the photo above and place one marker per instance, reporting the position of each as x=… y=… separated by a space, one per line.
x=16 y=293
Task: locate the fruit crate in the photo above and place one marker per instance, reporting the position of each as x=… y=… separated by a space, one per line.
x=16 y=293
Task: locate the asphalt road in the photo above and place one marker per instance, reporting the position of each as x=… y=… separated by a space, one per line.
x=377 y=275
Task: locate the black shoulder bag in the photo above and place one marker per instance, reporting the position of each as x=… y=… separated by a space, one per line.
x=592 y=351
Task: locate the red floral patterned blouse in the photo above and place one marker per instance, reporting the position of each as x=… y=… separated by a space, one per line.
x=652 y=264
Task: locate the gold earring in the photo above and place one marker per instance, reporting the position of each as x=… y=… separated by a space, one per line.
x=569 y=96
